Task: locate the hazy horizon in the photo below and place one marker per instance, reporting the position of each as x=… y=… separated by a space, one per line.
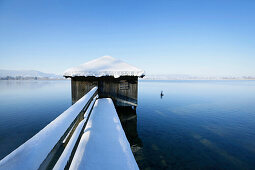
x=36 y=73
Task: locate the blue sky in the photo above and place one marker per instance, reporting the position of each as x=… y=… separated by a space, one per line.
x=197 y=37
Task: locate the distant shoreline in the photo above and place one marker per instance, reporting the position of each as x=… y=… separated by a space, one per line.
x=140 y=79
x=31 y=78
x=189 y=79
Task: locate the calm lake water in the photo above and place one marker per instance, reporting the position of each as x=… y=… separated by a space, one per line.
x=195 y=125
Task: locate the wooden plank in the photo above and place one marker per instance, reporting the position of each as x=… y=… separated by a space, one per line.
x=125 y=102
x=125 y=88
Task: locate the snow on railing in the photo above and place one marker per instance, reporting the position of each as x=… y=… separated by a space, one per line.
x=67 y=156
x=43 y=149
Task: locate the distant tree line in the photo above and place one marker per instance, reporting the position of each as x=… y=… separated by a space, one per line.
x=24 y=78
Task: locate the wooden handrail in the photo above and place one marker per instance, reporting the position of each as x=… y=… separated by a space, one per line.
x=67 y=156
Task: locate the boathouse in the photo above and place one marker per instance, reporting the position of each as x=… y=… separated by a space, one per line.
x=114 y=78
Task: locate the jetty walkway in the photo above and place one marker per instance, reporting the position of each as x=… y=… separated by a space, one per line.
x=88 y=135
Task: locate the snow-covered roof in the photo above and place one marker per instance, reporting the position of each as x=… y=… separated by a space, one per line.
x=104 y=66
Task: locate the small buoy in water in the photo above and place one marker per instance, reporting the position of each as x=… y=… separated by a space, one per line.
x=161 y=94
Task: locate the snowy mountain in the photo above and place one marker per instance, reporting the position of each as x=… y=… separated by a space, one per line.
x=27 y=74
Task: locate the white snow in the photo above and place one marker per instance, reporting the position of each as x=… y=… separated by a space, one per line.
x=104 y=144
x=104 y=66
x=32 y=153
x=62 y=161
x=86 y=114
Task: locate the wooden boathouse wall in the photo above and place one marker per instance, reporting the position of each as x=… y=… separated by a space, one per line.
x=122 y=90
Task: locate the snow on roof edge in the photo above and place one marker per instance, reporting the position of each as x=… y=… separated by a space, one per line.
x=104 y=66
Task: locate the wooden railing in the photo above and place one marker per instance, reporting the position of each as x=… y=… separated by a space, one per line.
x=55 y=145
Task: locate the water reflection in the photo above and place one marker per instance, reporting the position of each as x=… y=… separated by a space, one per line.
x=27 y=106
x=128 y=118
x=196 y=125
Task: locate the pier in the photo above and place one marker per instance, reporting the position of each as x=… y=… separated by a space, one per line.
x=88 y=135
